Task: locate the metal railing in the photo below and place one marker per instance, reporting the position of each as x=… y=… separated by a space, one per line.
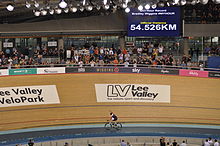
x=114 y=65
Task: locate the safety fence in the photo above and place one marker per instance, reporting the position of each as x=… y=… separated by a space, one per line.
x=115 y=141
x=168 y=70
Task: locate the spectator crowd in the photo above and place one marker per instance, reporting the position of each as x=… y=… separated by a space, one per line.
x=149 y=54
x=162 y=140
x=202 y=14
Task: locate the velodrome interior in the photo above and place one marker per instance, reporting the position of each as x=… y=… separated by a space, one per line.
x=193 y=101
x=193 y=111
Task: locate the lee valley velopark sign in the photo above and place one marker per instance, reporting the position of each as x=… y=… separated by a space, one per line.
x=132 y=93
x=28 y=95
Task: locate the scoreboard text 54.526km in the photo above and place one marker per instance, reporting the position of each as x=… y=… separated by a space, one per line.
x=153 y=27
x=154 y=22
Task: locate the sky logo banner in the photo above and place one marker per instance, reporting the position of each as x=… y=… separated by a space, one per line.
x=28 y=95
x=132 y=93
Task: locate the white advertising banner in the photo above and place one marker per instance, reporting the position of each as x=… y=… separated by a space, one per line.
x=8 y=44
x=52 y=44
x=132 y=93
x=68 y=53
x=28 y=95
x=51 y=70
x=4 y=72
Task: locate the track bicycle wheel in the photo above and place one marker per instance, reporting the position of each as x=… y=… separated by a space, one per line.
x=108 y=126
x=118 y=126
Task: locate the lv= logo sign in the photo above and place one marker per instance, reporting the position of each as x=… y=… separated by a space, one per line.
x=136 y=91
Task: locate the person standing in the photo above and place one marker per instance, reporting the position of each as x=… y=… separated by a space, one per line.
x=66 y=144
x=30 y=143
x=206 y=143
x=162 y=141
x=216 y=143
x=210 y=141
x=174 y=143
x=123 y=143
x=183 y=143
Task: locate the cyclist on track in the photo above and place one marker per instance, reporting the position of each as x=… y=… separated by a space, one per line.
x=113 y=117
x=112 y=122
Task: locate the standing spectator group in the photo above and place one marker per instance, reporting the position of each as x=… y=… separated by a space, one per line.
x=149 y=54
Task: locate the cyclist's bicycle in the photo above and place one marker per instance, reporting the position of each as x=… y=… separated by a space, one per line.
x=113 y=125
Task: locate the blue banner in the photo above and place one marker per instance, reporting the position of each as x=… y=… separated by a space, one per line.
x=213 y=62
x=162 y=21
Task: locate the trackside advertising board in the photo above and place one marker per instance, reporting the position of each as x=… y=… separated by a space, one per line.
x=22 y=71
x=51 y=70
x=214 y=74
x=4 y=72
x=132 y=93
x=28 y=95
x=165 y=71
x=193 y=73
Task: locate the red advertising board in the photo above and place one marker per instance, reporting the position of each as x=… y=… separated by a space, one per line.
x=193 y=73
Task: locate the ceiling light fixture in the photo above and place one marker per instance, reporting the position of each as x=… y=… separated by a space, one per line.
x=81 y=9
x=84 y=2
x=105 y=2
x=140 y=8
x=176 y=1
x=147 y=6
x=194 y=2
x=36 y=4
x=106 y=7
x=43 y=12
x=98 y=7
x=10 y=7
x=51 y=11
x=58 y=11
x=127 y=10
x=154 y=6
x=204 y=2
x=161 y=4
x=89 y=8
x=37 y=13
x=62 y=4
x=124 y=5
x=183 y=2
x=66 y=10
x=73 y=9
x=27 y=4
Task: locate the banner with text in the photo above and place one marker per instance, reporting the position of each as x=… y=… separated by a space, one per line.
x=193 y=73
x=162 y=21
x=165 y=71
x=4 y=72
x=121 y=70
x=28 y=95
x=132 y=93
x=78 y=69
x=51 y=70
x=22 y=71
x=213 y=74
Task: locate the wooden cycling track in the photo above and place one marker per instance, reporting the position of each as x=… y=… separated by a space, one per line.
x=193 y=101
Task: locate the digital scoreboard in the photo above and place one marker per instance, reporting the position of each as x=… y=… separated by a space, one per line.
x=162 y=21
